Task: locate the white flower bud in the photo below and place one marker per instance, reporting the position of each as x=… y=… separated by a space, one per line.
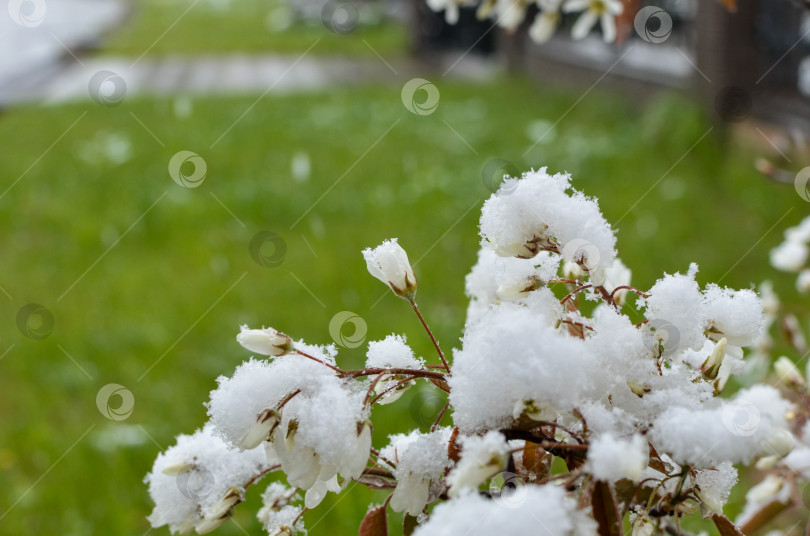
x=264 y=341
x=711 y=366
x=617 y=275
x=787 y=372
x=355 y=466
x=389 y=263
x=472 y=475
x=221 y=508
x=779 y=443
x=318 y=491
x=529 y=408
x=767 y=462
x=643 y=526
x=177 y=468
x=572 y=270
x=387 y=381
x=209 y=525
x=411 y=494
x=259 y=432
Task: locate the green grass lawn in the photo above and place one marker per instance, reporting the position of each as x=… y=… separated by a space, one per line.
x=185 y=27
x=143 y=275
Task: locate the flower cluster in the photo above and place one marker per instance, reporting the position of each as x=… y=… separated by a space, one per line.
x=508 y=14
x=561 y=360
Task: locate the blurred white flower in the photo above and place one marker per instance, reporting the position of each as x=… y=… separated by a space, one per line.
x=803 y=281
x=546 y=22
x=787 y=372
x=789 y=256
x=602 y=11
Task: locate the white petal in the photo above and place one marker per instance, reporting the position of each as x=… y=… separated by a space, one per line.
x=315 y=494
x=583 y=25
x=608 y=28
x=543 y=27
x=575 y=5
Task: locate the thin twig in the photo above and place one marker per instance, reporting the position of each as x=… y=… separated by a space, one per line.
x=430 y=333
x=324 y=363
x=391 y=388
x=439 y=418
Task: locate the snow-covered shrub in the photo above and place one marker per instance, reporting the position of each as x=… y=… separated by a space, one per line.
x=550 y=367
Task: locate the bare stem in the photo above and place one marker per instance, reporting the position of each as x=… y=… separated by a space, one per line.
x=632 y=289
x=383 y=458
x=322 y=362
x=288 y=398
x=255 y=478
x=574 y=292
x=439 y=418
x=430 y=333
x=378 y=370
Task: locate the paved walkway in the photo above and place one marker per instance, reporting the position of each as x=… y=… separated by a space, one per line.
x=41 y=60
x=37 y=35
x=109 y=80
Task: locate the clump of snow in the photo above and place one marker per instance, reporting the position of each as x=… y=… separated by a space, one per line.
x=675 y=300
x=420 y=462
x=392 y=352
x=482 y=457
x=714 y=486
x=189 y=479
x=736 y=314
x=527 y=214
x=510 y=355
x=256 y=386
x=541 y=510
x=730 y=431
x=610 y=458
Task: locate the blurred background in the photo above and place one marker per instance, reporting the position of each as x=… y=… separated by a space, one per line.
x=171 y=169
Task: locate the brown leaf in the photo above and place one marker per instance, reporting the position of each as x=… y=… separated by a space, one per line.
x=725 y=526
x=536 y=461
x=605 y=510
x=441 y=384
x=375 y=523
x=575 y=330
x=655 y=460
x=409 y=525
x=453 y=451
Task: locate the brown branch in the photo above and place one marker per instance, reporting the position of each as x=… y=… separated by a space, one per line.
x=430 y=333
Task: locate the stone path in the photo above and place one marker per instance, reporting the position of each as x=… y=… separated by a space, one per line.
x=108 y=80
x=41 y=60
x=37 y=35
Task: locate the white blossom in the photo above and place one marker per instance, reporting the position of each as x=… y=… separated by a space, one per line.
x=546 y=21
x=787 y=372
x=602 y=11
x=264 y=341
x=789 y=256
x=389 y=263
